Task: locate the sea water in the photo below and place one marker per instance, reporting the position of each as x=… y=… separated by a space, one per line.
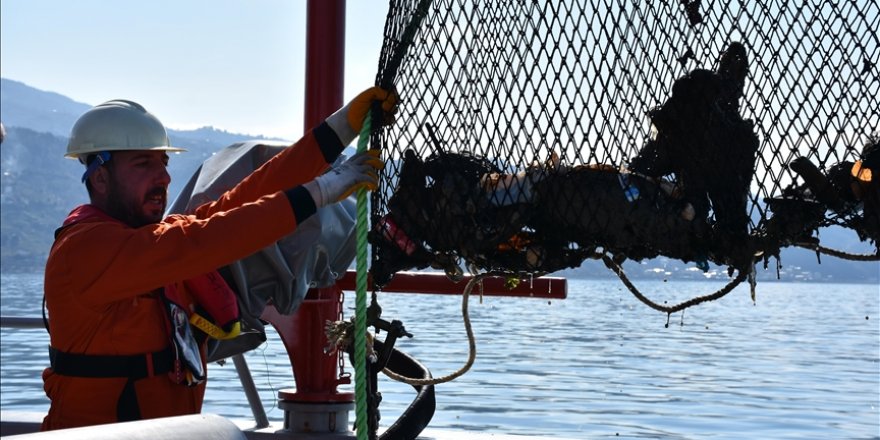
x=801 y=362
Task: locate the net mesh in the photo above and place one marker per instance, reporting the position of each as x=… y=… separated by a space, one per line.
x=532 y=135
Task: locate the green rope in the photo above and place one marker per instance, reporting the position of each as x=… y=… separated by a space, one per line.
x=360 y=314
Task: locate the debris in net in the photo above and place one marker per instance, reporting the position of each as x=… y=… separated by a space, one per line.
x=692 y=8
x=688 y=55
x=866 y=173
x=867 y=66
x=453 y=209
x=848 y=191
x=703 y=141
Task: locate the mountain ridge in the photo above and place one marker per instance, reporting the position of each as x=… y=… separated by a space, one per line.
x=40 y=186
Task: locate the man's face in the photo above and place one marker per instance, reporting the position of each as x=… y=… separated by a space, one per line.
x=138 y=186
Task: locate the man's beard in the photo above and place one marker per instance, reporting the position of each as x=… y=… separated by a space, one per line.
x=131 y=211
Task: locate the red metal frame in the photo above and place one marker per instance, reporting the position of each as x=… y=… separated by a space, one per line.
x=302 y=333
x=439 y=283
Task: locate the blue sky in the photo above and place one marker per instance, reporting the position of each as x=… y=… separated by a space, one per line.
x=237 y=65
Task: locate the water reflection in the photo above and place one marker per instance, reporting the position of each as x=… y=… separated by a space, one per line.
x=803 y=362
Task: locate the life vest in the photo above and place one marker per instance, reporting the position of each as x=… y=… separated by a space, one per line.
x=210 y=303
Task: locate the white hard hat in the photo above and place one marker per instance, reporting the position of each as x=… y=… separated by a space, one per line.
x=117 y=125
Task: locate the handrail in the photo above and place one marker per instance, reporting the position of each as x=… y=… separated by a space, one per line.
x=241 y=368
x=24 y=322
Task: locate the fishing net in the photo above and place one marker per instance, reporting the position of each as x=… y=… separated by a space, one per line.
x=533 y=135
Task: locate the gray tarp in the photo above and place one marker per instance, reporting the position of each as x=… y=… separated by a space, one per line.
x=315 y=255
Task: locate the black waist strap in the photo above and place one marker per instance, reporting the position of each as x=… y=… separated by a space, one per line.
x=136 y=366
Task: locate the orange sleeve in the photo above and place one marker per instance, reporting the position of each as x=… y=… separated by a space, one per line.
x=293 y=166
x=102 y=262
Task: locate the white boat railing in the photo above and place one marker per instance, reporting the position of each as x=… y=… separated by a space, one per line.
x=241 y=368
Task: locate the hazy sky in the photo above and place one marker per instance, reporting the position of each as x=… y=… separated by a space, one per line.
x=235 y=64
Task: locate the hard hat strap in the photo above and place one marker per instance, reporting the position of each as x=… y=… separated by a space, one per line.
x=101 y=158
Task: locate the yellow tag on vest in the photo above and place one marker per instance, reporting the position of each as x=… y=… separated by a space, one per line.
x=212 y=329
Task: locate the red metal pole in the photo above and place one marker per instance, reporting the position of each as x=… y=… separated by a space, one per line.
x=325 y=81
x=302 y=333
x=325 y=59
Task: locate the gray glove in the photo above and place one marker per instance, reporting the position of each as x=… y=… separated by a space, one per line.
x=360 y=171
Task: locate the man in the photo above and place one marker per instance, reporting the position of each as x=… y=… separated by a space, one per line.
x=121 y=281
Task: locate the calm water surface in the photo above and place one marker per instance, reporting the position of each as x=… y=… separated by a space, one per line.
x=802 y=363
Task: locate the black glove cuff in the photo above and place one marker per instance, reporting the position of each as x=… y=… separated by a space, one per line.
x=302 y=203
x=328 y=142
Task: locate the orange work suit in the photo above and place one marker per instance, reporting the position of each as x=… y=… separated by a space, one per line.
x=103 y=281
